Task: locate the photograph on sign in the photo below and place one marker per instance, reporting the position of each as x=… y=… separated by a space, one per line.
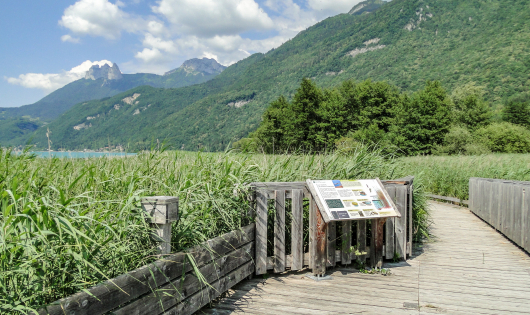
x=353 y=199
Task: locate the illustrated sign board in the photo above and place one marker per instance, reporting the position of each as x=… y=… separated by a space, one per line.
x=340 y=200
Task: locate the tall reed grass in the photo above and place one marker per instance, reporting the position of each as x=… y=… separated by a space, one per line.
x=449 y=175
x=67 y=224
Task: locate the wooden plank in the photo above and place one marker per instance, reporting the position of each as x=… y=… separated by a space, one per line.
x=390 y=227
x=508 y=227
x=279 y=185
x=279 y=232
x=410 y=221
x=496 y=205
x=209 y=293
x=297 y=229
x=526 y=216
x=361 y=240
x=319 y=262
x=346 y=252
x=261 y=233
x=376 y=252
x=401 y=222
x=124 y=288
x=312 y=231
x=179 y=289
x=452 y=199
x=518 y=213
x=332 y=244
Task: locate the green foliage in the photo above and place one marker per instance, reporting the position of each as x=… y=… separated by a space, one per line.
x=449 y=175
x=505 y=138
x=444 y=45
x=517 y=112
x=67 y=224
x=471 y=110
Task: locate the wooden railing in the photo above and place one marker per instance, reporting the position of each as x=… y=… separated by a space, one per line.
x=170 y=285
x=184 y=282
x=505 y=205
x=346 y=241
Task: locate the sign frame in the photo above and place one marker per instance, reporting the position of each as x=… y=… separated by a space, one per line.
x=324 y=213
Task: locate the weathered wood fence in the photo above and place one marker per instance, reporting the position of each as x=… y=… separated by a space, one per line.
x=505 y=205
x=344 y=242
x=170 y=285
x=184 y=282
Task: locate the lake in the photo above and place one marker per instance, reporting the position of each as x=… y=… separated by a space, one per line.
x=73 y=154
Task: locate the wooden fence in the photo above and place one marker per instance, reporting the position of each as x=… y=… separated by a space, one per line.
x=170 y=285
x=344 y=242
x=505 y=205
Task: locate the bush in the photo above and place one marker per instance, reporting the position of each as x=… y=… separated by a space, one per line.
x=504 y=137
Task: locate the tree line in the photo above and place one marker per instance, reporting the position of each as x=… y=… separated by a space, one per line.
x=429 y=121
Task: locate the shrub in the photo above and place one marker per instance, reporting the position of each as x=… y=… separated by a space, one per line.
x=504 y=137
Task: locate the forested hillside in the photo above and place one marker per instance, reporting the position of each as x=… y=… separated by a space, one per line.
x=404 y=42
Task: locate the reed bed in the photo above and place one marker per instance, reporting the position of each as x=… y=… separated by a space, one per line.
x=449 y=175
x=67 y=224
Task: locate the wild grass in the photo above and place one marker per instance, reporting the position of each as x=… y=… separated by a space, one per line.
x=449 y=175
x=67 y=224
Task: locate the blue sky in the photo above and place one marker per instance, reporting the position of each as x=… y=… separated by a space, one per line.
x=47 y=44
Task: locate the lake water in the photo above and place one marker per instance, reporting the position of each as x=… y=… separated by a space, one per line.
x=73 y=154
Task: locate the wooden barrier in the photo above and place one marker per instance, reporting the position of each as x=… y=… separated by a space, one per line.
x=323 y=249
x=505 y=205
x=169 y=285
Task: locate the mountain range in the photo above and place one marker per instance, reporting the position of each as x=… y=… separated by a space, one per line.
x=404 y=42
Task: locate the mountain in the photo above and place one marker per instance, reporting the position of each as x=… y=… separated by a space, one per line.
x=404 y=42
x=366 y=7
x=106 y=81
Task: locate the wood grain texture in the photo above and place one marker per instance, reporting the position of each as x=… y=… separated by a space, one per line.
x=361 y=240
x=376 y=252
x=346 y=252
x=319 y=262
x=390 y=241
x=261 y=233
x=444 y=276
x=122 y=289
x=297 y=229
x=401 y=222
x=279 y=231
x=332 y=244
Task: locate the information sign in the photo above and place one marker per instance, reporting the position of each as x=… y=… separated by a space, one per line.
x=352 y=199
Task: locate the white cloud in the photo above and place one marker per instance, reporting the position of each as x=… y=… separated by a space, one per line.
x=68 y=38
x=99 y=18
x=50 y=82
x=206 y=18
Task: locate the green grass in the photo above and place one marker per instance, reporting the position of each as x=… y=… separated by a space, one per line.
x=449 y=175
x=68 y=224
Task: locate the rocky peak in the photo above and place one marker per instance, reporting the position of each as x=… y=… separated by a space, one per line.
x=107 y=72
x=366 y=7
x=204 y=65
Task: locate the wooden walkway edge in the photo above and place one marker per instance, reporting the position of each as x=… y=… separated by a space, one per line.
x=466 y=268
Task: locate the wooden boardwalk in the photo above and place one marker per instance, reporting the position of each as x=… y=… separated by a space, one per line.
x=467 y=268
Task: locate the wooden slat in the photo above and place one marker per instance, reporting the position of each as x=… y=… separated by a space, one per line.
x=346 y=243
x=261 y=233
x=319 y=262
x=526 y=213
x=390 y=226
x=297 y=229
x=376 y=252
x=410 y=220
x=179 y=289
x=208 y=293
x=401 y=223
x=279 y=232
x=518 y=214
x=312 y=231
x=332 y=243
x=361 y=240
x=496 y=205
x=122 y=289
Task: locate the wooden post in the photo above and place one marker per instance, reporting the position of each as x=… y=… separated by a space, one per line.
x=162 y=211
x=361 y=240
x=318 y=255
x=279 y=232
x=376 y=249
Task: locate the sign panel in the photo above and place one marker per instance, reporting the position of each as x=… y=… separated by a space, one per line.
x=353 y=199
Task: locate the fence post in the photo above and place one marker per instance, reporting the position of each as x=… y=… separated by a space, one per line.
x=162 y=211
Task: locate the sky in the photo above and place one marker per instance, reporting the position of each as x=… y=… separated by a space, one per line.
x=48 y=44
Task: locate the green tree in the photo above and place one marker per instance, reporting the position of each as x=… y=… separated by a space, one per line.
x=424 y=119
x=517 y=112
x=471 y=110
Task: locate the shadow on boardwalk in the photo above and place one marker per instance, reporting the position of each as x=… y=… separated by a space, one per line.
x=467 y=268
